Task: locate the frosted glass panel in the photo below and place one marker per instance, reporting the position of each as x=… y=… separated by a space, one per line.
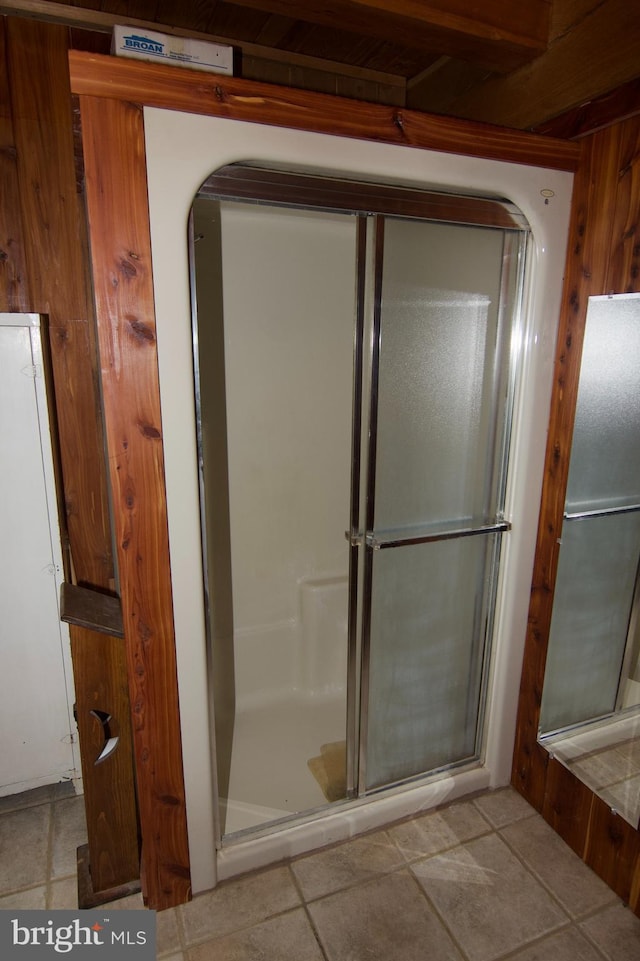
x=446 y=311
x=425 y=675
x=592 y=604
x=440 y=297
x=605 y=453
x=599 y=553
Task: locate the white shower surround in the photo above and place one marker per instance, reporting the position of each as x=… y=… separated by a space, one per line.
x=182 y=150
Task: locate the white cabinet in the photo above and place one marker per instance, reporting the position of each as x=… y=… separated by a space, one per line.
x=37 y=730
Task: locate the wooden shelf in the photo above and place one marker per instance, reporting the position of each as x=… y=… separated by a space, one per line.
x=91 y=609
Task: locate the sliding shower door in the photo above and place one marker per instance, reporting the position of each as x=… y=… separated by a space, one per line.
x=365 y=360
x=445 y=302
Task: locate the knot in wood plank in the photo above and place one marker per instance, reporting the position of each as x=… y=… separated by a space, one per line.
x=149 y=431
x=143 y=333
x=127 y=268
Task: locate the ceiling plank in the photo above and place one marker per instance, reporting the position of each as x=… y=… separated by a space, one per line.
x=85 y=18
x=435 y=90
x=599 y=54
x=496 y=34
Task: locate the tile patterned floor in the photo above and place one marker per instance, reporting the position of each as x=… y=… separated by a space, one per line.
x=480 y=880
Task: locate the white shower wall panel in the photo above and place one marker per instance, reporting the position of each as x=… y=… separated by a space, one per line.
x=322 y=651
x=305 y=656
x=288 y=299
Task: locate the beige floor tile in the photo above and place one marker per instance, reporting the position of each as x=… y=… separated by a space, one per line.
x=578 y=889
x=167 y=924
x=503 y=806
x=39 y=795
x=566 y=945
x=288 y=937
x=69 y=832
x=167 y=932
x=384 y=920
x=63 y=895
x=24 y=845
x=33 y=899
x=439 y=830
x=238 y=904
x=616 y=931
x=175 y=957
x=346 y=864
x=485 y=895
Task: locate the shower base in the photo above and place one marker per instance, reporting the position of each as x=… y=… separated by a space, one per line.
x=272 y=744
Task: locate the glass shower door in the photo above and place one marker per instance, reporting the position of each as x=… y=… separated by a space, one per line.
x=444 y=306
x=593 y=662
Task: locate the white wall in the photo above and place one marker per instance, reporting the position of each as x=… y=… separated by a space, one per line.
x=182 y=150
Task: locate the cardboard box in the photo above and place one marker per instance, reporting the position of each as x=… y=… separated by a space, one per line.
x=163 y=48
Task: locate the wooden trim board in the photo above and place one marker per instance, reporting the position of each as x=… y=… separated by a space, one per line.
x=192 y=91
x=113 y=141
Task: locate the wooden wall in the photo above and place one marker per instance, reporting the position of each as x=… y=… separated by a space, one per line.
x=603 y=257
x=44 y=269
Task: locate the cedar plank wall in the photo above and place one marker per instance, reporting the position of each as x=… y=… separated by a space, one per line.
x=44 y=269
x=603 y=257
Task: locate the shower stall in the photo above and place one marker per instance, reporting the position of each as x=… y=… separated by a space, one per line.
x=356 y=357
x=362 y=490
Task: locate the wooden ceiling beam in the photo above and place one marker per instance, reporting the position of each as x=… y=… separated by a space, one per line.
x=597 y=54
x=497 y=34
x=613 y=107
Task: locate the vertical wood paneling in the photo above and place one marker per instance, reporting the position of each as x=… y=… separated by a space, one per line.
x=121 y=253
x=14 y=294
x=40 y=200
x=602 y=257
x=568 y=806
x=100 y=668
x=623 y=268
x=55 y=248
x=612 y=849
